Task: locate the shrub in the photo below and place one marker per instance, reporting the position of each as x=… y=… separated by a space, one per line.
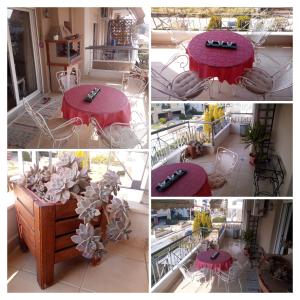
x=218 y=219
x=162 y=120
x=243 y=22
x=182 y=117
x=215 y=22
x=99 y=159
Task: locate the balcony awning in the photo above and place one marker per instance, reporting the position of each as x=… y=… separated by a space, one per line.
x=164 y=204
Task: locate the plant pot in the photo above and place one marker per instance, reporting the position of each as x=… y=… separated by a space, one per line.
x=246 y=251
x=46 y=229
x=252 y=159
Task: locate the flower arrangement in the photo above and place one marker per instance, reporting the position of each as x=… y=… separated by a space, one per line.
x=69 y=179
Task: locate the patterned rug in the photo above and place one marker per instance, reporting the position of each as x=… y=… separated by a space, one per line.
x=252 y=285
x=23 y=130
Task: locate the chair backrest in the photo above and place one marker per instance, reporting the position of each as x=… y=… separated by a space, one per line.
x=233 y=272
x=135 y=85
x=67 y=80
x=203 y=247
x=260 y=29
x=283 y=78
x=38 y=119
x=226 y=161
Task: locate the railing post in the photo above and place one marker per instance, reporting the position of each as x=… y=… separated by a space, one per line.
x=212 y=134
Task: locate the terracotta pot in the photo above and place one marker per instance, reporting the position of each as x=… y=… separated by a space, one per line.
x=252 y=159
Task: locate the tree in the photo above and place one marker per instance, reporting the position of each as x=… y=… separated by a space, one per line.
x=197 y=224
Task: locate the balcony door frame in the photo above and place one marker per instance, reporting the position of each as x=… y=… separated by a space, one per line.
x=36 y=56
x=283 y=226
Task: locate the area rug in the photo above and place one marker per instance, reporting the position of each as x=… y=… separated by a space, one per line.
x=252 y=285
x=23 y=130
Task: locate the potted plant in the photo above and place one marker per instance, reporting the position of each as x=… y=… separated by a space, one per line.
x=255 y=136
x=247 y=236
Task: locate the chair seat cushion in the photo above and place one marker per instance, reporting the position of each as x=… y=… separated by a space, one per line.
x=123 y=137
x=188 y=85
x=261 y=81
x=216 y=181
x=59 y=133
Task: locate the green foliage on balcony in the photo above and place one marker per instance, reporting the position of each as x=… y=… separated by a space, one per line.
x=243 y=22
x=215 y=22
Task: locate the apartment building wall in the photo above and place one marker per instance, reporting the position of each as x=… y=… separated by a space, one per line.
x=282 y=138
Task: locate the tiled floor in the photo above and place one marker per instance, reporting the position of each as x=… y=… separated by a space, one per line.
x=160 y=56
x=87 y=137
x=123 y=269
x=247 y=277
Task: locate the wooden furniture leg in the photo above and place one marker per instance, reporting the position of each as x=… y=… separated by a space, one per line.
x=44 y=243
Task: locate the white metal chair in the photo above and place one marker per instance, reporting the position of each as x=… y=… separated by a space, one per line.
x=261 y=83
x=183 y=86
x=180 y=44
x=226 y=161
x=190 y=276
x=259 y=31
x=67 y=80
x=122 y=135
x=135 y=82
x=233 y=275
x=58 y=130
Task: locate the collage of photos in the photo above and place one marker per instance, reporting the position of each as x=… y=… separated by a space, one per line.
x=150 y=149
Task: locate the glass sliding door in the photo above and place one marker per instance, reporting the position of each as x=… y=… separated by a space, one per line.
x=22 y=74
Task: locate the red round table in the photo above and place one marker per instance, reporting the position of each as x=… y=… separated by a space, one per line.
x=222 y=263
x=223 y=63
x=109 y=106
x=193 y=183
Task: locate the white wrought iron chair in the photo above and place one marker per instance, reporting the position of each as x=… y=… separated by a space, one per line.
x=259 y=31
x=183 y=86
x=225 y=163
x=261 y=83
x=122 y=135
x=190 y=276
x=58 y=130
x=233 y=275
x=67 y=80
x=180 y=44
x=134 y=83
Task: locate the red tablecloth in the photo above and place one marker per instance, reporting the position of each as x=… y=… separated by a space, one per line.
x=109 y=106
x=225 y=64
x=222 y=263
x=194 y=183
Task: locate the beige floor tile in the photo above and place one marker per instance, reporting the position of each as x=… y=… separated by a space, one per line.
x=71 y=271
x=11 y=271
x=17 y=258
x=126 y=250
x=117 y=274
x=61 y=288
x=23 y=282
x=86 y=291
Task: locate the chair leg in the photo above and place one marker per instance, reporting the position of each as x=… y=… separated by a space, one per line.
x=39 y=141
x=240 y=285
x=77 y=140
x=219 y=87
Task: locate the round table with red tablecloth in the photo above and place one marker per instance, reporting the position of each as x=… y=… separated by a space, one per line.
x=222 y=263
x=193 y=183
x=226 y=64
x=109 y=106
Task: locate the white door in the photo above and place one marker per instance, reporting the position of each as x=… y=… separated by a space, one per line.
x=23 y=74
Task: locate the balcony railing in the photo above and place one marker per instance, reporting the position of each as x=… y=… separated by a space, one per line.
x=125 y=54
x=164 y=141
x=165 y=259
x=177 y=19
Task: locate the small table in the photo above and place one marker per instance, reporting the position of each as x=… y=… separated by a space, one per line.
x=194 y=183
x=271 y=170
x=222 y=263
x=225 y=64
x=109 y=106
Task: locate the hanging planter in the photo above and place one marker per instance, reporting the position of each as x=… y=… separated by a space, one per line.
x=53 y=203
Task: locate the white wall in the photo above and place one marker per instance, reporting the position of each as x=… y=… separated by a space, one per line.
x=222 y=135
x=12 y=230
x=282 y=137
